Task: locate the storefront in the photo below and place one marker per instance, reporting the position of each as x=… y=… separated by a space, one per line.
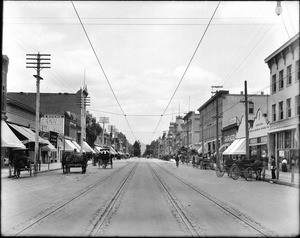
x=258 y=139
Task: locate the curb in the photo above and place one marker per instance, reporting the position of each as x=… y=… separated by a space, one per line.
x=281 y=182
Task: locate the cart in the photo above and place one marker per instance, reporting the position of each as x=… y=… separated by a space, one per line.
x=105 y=158
x=248 y=170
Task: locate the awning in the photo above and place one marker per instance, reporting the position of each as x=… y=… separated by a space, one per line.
x=238 y=147
x=69 y=146
x=112 y=151
x=223 y=148
x=49 y=147
x=87 y=148
x=205 y=148
x=286 y=128
x=8 y=138
x=97 y=149
x=78 y=146
x=29 y=134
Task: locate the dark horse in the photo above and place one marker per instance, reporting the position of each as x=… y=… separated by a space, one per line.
x=73 y=160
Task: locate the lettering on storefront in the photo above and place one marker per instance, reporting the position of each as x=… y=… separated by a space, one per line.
x=229 y=138
x=52 y=123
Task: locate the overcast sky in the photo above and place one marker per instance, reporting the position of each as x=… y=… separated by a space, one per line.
x=144 y=49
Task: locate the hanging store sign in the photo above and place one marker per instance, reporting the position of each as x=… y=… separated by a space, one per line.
x=52 y=123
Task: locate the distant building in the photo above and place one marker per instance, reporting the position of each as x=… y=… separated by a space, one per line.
x=191 y=122
x=60 y=116
x=230 y=111
x=284 y=103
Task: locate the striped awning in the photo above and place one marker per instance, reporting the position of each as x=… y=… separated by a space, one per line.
x=8 y=138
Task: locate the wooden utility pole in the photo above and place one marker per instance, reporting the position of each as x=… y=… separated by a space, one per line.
x=37 y=62
x=246 y=121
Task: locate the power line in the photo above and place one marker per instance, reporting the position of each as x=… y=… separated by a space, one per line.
x=101 y=66
x=246 y=56
x=132 y=24
x=187 y=66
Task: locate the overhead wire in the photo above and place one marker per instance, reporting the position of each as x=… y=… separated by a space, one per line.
x=187 y=66
x=249 y=53
x=102 y=68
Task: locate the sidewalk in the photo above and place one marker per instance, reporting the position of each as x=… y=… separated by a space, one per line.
x=285 y=178
x=44 y=168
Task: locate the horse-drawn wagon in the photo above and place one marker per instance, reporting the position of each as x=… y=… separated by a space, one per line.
x=105 y=158
x=74 y=160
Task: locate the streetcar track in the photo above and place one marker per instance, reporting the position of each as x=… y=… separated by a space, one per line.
x=231 y=210
x=69 y=200
x=109 y=208
x=181 y=214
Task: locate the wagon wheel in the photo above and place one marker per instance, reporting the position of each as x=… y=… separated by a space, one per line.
x=220 y=171
x=248 y=174
x=235 y=172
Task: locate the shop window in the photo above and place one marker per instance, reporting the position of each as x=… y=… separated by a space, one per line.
x=274 y=112
x=288 y=108
x=280 y=110
x=287 y=139
x=281 y=81
x=289 y=75
x=274 y=83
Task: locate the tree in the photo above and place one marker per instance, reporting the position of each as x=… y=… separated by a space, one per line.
x=152 y=149
x=93 y=129
x=137 y=148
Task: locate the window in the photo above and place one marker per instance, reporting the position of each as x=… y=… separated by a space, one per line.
x=274 y=83
x=274 y=112
x=297 y=72
x=281 y=79
x=251 y=107
x=289 y=75
x=287 y=139
x=280 y=110
x=288 y=108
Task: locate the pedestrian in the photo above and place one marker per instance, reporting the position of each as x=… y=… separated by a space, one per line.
x=273 y=168
x=284 y=165
x=17 y=165
x=177 y=160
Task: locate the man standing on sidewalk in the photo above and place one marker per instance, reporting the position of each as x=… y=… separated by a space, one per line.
x=273 y=167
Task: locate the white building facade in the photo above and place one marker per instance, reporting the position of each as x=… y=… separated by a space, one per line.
x=284 y=103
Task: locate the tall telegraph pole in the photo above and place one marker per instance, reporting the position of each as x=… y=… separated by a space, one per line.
x=37 y=62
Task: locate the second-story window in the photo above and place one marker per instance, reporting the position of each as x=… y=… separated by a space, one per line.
x=274 y=112
x=297 y=102
x=289 y=75
x=274 y=83
x=281 y=79
x=251 y=107
x=280 y=110
x=288 y=108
